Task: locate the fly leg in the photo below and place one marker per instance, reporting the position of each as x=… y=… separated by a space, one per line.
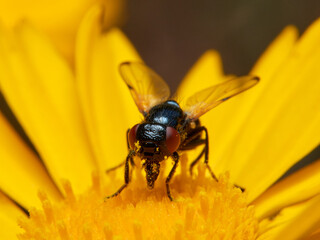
x=121 y=164
x=115 y=167
x=126 y=176
x=194 y=141
x=204 y=152
x=175 y=157
x=194 y=162
x=206 y=159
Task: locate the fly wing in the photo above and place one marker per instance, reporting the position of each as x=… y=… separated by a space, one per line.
x=146 y=87
x=204 y=100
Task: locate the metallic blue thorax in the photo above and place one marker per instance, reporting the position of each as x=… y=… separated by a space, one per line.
x=168 y=113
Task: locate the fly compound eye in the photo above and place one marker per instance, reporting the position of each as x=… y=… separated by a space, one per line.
x=172 y=139
x=132 y=136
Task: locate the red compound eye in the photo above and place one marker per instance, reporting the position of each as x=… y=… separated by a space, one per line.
x=172 y=139
x=132 y=135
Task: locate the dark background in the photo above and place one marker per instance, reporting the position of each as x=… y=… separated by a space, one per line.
x=171 y=35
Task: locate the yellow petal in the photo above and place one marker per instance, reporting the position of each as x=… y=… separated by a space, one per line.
x=297 y=187
x=22 y=175
x=288 y=112
x=273 y=58
x=9 y=230
x=315 y=235
x=58 y=19
x=270 y=127
x=226 y=121
x=9 y=214
x=107 y=104
x=296 y=222
x=9 y=209
x=40 y=89
x=207 y=71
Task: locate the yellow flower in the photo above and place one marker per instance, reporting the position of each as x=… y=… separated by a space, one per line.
x=77 y=122
x=58 y=19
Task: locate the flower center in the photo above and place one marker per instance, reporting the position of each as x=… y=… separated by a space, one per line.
x=202 y=208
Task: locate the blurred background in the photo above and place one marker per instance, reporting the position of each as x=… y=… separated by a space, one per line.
x=171 y=35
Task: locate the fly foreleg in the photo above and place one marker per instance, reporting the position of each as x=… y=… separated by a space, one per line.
x=126 y=175
x=175 y=157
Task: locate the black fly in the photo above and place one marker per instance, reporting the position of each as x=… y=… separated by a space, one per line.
x=168 y=129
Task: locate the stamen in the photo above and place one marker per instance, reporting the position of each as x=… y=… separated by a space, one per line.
x=96 y=184
x=202 y=208
x=47 y=207
x=204 y=204
x=178 y=234
x=62 y=230
x=189 y=217
x=137 y=231
x=108 y=232
x=87 y=232
x=69 y=192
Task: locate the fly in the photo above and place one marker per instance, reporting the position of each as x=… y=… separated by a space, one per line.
x=168 y=128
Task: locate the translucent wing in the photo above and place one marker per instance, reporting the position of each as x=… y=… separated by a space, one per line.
x=204 y=100
x=146 y=87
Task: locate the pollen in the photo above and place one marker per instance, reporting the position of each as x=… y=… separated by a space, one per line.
x=137 y=145
x=202 y=209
